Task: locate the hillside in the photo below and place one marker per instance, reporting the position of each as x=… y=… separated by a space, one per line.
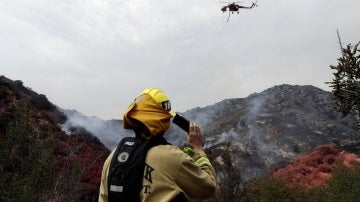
x=38 y=161
x=246 y=138
x=263 y=132
x=268 y=130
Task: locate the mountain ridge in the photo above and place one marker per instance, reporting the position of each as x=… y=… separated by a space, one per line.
x=270 y=129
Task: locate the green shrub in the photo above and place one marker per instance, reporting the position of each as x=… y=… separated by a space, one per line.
x=25 y=161
x=271 y=189
x=345 y=184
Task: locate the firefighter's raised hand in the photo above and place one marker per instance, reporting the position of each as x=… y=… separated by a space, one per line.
x=194 y=137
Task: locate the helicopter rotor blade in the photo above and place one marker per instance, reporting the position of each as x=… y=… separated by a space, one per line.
x=227 y=2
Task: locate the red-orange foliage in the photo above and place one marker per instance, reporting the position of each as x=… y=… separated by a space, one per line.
x=315 y=169
x=89 y=155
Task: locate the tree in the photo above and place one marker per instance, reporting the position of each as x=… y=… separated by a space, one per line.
x=346 y=84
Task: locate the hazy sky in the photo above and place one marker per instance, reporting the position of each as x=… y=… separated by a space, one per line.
x=95 y=56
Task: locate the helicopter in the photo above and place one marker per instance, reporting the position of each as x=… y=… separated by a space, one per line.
x=234 y=7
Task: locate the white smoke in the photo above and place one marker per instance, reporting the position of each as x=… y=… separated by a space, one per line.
x=252 y=151
x=108 y=132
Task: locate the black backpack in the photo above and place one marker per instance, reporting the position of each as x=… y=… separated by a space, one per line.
x=126 y=170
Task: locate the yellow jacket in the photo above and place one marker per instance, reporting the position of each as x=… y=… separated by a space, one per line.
x=169 y=172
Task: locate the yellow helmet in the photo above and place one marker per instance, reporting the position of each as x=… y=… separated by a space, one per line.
x=160 y=97
x=152 y=109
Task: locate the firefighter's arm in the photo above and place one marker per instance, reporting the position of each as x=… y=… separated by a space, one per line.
x=196 y=175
